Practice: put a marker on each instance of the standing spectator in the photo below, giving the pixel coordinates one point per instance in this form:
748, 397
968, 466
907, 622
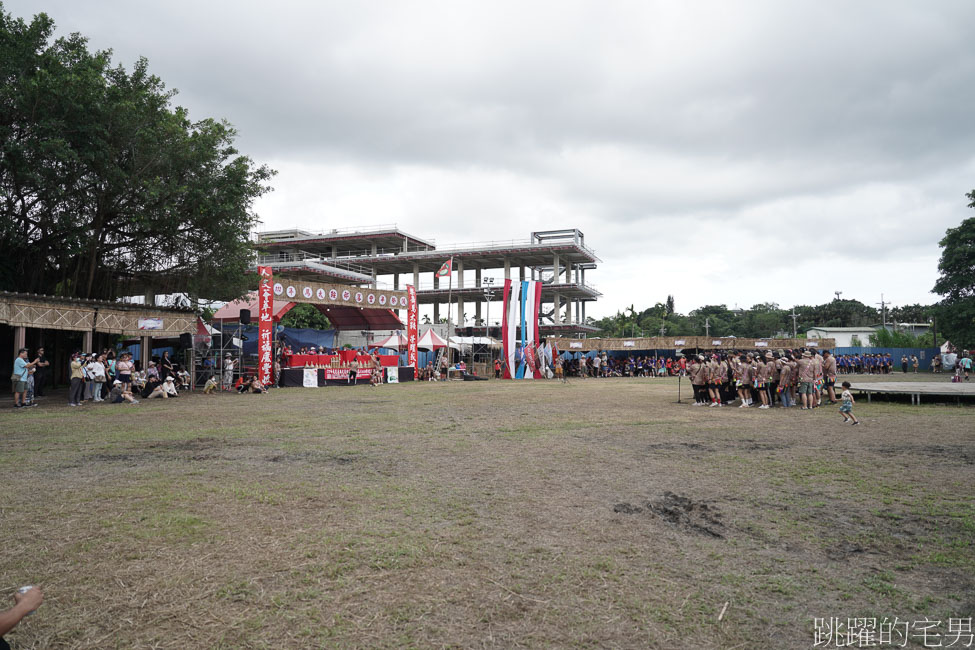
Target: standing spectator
124, 370
965, 363
76, 392
22, 369
914, 363
166, 366
497, 368
96, 372
228, 372
43, 372
904, 363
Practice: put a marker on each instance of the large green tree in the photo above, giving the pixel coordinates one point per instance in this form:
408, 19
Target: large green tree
106, 188
956, 311
306, 316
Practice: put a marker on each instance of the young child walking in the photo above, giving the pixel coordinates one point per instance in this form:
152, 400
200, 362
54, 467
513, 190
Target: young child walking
847, 409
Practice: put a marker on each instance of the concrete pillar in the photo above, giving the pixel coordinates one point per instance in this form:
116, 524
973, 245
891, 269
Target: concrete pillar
460, 300
406, 245
436, 304
578, 309
477, 278
576, 275
145, 351
373, 285
507, 269
374, 250
556, 269
583, 319
87, 341
477, 311
521, 273
20, 339
416, 275
335, 252
557, 306
396, 281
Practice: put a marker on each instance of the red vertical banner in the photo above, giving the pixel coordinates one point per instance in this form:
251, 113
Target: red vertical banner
265, 323
412, 326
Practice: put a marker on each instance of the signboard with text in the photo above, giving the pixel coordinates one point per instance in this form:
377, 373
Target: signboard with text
412, 326
336, 294
265, 303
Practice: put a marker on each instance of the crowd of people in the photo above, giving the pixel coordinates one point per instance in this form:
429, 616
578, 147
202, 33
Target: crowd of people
803, 378
94, 377
602, 365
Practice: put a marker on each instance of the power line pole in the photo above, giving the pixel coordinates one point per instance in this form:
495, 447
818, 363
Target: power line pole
707, 327
883, 310
795, 334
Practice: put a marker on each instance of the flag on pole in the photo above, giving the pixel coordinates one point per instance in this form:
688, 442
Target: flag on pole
446, 268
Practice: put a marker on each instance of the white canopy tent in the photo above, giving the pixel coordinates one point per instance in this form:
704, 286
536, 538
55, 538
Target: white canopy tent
433, 341
394, 342
464, 343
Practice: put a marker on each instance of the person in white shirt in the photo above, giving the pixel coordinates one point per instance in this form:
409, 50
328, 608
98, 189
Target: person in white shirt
170, 387
96, 374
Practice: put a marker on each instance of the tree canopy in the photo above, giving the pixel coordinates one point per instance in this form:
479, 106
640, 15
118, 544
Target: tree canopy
760, 321
306, 316
106, 189
956, 283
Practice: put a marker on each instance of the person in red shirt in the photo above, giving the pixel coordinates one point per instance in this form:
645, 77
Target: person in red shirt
497, 368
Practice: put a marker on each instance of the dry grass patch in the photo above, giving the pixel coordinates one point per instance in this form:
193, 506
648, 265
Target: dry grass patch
597, 514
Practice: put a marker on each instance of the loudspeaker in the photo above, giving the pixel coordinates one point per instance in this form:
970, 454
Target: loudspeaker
186, 340
245, 316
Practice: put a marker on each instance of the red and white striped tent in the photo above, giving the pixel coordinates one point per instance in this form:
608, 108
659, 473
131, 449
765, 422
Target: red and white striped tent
432, 341
394, 342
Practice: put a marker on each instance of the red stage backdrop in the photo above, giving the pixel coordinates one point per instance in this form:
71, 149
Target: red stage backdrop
265, 324
412, 326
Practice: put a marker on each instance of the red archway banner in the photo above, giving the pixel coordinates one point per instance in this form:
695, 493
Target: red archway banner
264, 325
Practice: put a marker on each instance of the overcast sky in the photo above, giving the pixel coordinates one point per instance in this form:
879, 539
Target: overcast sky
723, 152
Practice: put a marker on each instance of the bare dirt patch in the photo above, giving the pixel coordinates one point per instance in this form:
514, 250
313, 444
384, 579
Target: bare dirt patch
681, 511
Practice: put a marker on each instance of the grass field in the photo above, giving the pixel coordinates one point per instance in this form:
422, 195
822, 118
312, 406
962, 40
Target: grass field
597, 514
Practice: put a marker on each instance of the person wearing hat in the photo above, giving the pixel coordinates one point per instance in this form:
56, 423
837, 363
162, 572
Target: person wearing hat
785, 381
119, 394
807, 377
228, 371
170, 387
154, 389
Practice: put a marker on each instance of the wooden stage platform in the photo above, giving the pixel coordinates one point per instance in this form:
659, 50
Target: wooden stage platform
917, 388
